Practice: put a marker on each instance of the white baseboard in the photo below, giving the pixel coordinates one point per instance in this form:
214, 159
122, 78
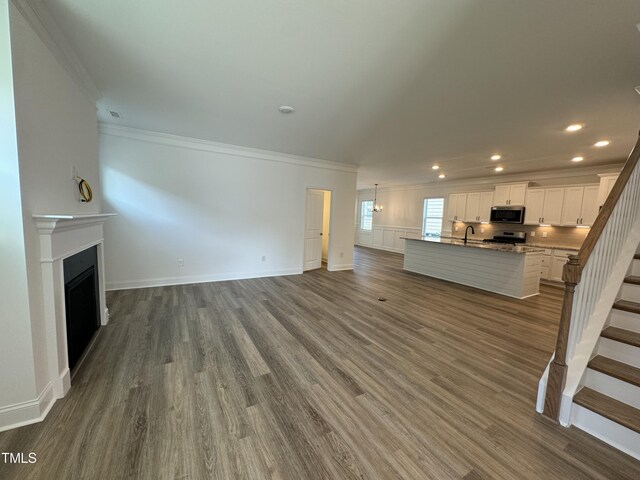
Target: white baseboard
345, 266
26, 413
220, 277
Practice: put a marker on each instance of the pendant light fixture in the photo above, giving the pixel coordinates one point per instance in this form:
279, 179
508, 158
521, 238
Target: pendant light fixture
376, 208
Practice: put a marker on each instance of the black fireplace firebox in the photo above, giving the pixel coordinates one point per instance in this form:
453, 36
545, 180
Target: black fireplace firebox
81, 301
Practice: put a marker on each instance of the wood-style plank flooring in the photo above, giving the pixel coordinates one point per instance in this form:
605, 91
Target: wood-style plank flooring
312, 377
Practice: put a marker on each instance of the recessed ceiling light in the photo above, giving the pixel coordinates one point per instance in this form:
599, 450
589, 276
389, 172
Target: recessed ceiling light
602, 143
442, 175
577, 159
499, 169
436, 167
496, 157
574, 128
286, 109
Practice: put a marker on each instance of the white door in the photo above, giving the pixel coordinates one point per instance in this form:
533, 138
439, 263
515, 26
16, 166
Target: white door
590, 207
553, 203
461, 207
452, 207
501, 195
572, 207
533, 206
472, 213
313, 230
517, 194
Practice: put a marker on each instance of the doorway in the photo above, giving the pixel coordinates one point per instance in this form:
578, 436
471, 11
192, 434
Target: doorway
317, 236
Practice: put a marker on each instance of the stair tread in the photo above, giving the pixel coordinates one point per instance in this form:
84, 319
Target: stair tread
619, 370
614, 410
627, 305
635, 279
622, 335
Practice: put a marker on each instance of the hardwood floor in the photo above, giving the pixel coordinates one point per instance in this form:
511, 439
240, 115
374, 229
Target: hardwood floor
310, 377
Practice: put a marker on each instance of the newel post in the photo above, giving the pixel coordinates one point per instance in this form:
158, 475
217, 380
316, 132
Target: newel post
558, 367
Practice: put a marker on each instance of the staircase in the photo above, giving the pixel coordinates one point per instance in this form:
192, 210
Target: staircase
593, 379
608, 402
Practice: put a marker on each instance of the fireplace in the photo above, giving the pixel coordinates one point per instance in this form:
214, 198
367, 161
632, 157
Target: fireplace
81, 302
71, 249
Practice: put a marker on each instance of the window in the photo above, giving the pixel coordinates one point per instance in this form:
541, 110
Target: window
366, 215
432, 217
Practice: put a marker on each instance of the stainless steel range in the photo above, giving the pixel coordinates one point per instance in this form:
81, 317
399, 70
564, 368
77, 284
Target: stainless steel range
512, 238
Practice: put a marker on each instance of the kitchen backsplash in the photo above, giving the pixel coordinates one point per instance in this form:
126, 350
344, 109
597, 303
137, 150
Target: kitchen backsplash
560, 236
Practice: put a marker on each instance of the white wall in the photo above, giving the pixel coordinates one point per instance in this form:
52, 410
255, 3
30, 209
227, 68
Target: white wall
217, 207
56, 128
17, 377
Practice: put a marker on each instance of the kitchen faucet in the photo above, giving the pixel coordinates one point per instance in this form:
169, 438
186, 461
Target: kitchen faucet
466, 231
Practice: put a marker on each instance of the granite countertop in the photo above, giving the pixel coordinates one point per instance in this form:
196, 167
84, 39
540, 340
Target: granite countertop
479, 244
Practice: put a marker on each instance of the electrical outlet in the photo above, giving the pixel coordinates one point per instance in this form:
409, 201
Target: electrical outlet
544, 234
482, 230
264, 258
181, 262
533, 234
455, 229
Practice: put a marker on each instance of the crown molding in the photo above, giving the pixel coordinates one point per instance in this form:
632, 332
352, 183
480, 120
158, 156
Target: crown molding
222, 148
38, 16
490, 181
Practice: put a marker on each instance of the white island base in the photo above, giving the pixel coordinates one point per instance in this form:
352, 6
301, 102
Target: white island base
507, 270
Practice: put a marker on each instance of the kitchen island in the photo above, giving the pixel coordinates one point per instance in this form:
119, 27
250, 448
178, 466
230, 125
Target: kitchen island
511, 270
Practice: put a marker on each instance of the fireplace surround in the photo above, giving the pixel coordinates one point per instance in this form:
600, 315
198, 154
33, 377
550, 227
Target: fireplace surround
62, 237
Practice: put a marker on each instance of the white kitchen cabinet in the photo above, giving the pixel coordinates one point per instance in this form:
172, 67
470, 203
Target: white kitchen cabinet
533, 206
607, 181
478, 207
510, 194
486, 202
580, 206
544, 205
553, 203
590, 205
456, 207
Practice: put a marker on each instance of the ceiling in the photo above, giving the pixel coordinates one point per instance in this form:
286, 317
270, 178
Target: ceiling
391, 85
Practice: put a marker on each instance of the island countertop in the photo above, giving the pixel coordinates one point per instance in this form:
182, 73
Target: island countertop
479, 244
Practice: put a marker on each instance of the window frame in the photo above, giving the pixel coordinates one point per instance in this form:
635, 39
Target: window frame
362, 207
424, 216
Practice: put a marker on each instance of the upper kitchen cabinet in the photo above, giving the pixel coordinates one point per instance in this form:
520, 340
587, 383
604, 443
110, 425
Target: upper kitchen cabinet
607, 181
478, 207
510, 194
580, 206
456, 207
544, 206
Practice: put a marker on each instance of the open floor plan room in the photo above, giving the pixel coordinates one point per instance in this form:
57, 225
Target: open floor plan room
314, 376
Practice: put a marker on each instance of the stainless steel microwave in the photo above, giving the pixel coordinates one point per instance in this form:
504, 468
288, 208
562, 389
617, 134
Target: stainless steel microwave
507, 215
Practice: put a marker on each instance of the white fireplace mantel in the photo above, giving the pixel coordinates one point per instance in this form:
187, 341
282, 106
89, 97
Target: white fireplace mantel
62, 236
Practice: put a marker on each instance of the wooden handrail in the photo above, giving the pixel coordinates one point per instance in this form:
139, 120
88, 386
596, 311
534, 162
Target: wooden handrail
571, 277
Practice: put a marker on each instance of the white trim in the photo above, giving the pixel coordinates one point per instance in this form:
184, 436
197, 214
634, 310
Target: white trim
338, 268
222, 148
26, 413
38, 16
186, 280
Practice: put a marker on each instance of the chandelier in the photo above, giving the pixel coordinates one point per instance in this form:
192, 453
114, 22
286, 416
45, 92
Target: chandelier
376, 208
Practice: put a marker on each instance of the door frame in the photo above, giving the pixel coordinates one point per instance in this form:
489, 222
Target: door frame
304, 223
